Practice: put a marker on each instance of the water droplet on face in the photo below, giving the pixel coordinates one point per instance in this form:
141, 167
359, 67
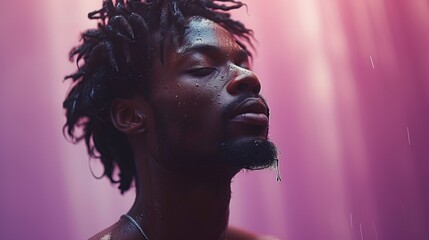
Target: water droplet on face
220, 102
177, 97
178, 84
196, 84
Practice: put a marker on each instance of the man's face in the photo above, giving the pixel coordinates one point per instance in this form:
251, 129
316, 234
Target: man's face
204, 96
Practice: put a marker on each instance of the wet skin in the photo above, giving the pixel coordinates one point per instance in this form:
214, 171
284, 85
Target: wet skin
204, 94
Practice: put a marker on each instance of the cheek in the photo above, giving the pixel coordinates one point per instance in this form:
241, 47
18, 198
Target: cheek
198, 106
190, 111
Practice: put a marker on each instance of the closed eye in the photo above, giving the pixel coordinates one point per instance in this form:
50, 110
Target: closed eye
201, 72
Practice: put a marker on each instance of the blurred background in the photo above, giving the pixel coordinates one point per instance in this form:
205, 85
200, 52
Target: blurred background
348, 86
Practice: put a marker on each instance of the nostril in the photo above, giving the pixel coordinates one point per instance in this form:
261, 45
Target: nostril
243, 80
257, 89
242, 87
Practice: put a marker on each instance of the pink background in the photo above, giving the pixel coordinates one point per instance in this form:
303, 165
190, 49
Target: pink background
348, 84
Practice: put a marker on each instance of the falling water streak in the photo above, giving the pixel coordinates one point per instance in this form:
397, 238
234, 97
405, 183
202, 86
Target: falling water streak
376, 232
278, 178
372, 62
351, 220
408, 134
361, 231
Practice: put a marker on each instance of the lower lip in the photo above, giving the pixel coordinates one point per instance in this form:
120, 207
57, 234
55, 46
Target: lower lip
258, 119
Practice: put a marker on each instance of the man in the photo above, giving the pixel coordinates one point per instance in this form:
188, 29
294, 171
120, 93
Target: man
165, 95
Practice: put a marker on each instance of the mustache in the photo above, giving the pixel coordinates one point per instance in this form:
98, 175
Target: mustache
227, 110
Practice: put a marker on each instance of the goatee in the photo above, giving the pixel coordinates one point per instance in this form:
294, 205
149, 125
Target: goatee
251, 154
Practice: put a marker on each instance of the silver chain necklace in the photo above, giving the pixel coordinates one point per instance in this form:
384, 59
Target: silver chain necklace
136, 224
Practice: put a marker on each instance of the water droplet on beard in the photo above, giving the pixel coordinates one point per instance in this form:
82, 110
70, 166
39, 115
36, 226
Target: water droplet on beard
220, 102
178, 84
177, 97
196, 84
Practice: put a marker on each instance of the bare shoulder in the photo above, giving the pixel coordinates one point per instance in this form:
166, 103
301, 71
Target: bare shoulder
118, 230
106, 234
235, 233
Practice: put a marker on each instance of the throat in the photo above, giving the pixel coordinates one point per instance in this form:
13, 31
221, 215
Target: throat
176, 207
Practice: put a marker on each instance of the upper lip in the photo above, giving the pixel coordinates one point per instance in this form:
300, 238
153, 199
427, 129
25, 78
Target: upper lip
251, 105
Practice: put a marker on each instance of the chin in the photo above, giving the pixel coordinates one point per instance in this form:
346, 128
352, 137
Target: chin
251, 153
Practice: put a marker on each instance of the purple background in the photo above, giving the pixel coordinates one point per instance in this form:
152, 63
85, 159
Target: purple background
348, 84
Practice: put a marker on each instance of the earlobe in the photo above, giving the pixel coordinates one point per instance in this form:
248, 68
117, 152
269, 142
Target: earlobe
126, 118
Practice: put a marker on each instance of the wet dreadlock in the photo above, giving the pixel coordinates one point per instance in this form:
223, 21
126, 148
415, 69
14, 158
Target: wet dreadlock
113, 61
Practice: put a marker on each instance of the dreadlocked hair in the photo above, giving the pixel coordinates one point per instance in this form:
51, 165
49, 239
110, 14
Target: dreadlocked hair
113, 61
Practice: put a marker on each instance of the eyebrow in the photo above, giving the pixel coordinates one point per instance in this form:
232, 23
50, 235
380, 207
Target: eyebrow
213, 51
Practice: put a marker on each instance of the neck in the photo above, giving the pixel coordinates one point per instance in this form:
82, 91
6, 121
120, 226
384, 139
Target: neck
182, 205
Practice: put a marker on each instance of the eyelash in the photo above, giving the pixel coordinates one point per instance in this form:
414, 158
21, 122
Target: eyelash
201, 72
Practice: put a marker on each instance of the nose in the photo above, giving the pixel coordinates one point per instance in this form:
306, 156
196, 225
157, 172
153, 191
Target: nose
244, 80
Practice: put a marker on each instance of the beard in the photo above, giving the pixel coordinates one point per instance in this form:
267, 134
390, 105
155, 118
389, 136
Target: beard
247, 153
250, 154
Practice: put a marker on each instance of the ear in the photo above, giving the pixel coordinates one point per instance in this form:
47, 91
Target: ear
127, 118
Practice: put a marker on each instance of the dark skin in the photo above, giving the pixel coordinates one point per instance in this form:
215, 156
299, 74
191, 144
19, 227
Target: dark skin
183, 188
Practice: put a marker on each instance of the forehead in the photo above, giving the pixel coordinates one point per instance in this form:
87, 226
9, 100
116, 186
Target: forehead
206, 33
